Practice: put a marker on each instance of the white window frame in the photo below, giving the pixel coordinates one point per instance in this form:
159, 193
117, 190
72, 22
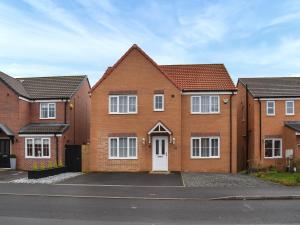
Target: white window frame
273, 149
210, 97
33, 146
205, 157
118, 149
163, 102
118, 97
48, 109
267, 107
286, 108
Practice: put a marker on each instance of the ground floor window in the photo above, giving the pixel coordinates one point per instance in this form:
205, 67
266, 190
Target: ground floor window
205, 147
273, 148
37, 147
123, 148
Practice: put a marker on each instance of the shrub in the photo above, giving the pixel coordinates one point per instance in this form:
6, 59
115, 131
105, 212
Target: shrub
55, 165
60, 164
50, 165
35, 166
42, 166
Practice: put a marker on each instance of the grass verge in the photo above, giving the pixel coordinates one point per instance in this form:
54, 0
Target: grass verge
285, 178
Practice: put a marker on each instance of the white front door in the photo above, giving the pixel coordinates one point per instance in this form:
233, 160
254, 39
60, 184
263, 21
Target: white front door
160, 153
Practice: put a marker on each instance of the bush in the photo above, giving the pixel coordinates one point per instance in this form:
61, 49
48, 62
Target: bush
55, 165
42, 166
35, 166
50, 165
60, 164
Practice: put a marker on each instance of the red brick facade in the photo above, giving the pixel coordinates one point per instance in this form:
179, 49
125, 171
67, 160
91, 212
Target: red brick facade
136, 73
261, 127
16, 112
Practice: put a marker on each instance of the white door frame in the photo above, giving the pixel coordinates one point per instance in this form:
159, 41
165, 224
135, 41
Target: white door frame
160, 161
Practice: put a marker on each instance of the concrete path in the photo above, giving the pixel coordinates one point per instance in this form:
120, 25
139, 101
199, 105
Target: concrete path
9, 175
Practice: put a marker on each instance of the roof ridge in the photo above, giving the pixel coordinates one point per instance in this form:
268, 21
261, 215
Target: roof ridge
55, 76
193, 64
268, 77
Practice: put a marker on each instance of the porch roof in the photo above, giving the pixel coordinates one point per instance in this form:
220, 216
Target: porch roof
294, 125
6, 130
44, 128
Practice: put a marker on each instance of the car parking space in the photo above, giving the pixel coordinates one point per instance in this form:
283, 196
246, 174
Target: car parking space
127, 179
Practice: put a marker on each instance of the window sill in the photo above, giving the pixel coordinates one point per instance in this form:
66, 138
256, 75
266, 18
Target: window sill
29, 157
50, 118
194, 113
123, 113
273, 157
218, 157
122, 158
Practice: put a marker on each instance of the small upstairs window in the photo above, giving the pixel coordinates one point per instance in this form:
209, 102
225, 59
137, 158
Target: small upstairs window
47, 110
158, 102
270, 108
289, 108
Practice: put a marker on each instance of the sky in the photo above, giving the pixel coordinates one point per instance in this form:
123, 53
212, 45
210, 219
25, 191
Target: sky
68, 37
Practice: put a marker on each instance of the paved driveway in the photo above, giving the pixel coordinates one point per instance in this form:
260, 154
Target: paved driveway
224, 180
127, 179
9, 175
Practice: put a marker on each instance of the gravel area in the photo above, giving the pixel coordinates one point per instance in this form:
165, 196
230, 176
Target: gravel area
46, 180
222, 180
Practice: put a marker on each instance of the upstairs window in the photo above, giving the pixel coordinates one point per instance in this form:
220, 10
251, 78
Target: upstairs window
47, 110
273, 148
270, 108
122, 104
205, 104
289, 108
158, 103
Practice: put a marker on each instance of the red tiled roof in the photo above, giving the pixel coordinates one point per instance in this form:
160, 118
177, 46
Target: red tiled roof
198, 77
204, 77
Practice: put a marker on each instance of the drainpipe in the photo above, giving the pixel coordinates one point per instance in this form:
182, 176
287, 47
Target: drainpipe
230, 132
259, 101
247, 127
56, 148
65, 119
74, 122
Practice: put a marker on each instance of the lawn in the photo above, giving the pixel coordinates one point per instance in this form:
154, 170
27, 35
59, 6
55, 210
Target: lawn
285, 178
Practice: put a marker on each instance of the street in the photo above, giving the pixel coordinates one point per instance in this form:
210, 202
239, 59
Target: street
68, 204
18, 209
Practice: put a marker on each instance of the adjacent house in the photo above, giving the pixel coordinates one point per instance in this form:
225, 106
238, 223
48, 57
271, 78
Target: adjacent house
39, 116
150, 117
268, 121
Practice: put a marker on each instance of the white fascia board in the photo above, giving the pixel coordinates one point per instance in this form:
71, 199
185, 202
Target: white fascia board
210, 93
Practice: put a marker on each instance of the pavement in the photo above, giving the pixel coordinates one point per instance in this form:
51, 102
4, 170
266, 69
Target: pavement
9, 175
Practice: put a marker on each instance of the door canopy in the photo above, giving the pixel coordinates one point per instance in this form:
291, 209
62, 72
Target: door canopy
160, 130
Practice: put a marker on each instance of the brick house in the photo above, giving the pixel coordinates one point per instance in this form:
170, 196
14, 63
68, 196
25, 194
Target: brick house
39, 116
268, 121
149, 117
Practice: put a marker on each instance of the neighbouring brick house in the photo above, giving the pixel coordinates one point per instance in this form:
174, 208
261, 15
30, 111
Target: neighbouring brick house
268, 121
39, 116
149, 117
